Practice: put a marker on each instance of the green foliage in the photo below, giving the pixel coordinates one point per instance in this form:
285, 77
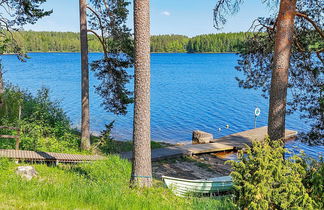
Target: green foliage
14, 15
264, 179
217, 43
106, 144
169, 43
109, 18
11, 103
314, 181
32, 41
97, 185
306, 72
44, 125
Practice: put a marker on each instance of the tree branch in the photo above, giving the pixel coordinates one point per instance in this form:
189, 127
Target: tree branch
97, 15
318, 54
318, 29
100, 39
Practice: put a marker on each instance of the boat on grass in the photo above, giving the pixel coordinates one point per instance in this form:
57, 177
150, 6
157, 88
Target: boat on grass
184, 187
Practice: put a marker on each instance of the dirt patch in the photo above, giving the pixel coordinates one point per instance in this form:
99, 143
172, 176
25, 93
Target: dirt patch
196, 167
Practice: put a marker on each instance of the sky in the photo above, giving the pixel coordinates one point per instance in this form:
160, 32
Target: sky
185, 17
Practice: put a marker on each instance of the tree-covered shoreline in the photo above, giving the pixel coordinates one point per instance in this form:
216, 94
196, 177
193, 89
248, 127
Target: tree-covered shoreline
46, 41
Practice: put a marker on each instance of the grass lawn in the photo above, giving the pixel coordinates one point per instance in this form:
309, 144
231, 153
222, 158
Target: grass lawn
96, 185
114, 146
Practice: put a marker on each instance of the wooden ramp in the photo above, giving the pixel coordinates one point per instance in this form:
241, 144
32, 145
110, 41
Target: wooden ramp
226, 143
23, 155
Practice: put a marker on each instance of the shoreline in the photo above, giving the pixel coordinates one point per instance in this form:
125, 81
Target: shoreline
151, 52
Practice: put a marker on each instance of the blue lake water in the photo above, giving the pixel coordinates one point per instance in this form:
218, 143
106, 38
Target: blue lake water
188, 92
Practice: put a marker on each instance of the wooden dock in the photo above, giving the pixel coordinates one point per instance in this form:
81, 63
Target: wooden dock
226, 143
24, 155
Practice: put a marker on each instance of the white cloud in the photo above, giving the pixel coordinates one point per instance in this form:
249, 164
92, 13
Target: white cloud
166, 13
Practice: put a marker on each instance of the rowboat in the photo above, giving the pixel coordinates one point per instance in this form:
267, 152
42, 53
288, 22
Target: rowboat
183, 187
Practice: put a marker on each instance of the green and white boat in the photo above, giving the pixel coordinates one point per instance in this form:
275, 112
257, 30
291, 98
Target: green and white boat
183, 187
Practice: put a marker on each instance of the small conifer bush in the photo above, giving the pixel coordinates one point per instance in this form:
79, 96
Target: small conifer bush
265, 179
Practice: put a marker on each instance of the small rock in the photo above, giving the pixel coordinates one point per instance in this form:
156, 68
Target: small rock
26, 172
206, 158
201, 137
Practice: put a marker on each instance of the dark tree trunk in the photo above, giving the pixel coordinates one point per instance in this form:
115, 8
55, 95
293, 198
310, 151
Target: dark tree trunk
142, 168
85, 127
279, 80
1, 86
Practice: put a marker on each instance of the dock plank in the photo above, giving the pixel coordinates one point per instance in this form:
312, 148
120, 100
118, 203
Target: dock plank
25, 155
238, 140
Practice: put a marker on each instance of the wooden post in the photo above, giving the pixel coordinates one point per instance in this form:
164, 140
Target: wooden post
18, 139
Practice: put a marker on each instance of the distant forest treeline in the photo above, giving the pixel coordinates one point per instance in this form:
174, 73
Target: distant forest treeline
32, 41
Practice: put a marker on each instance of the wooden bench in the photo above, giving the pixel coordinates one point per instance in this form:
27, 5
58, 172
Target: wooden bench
17, 137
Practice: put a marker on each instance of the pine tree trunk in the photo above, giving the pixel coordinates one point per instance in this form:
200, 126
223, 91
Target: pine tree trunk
142, 168
279, 80
85, 127
1, 86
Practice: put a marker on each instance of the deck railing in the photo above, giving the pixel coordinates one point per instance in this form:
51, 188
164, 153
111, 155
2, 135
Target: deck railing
17, 137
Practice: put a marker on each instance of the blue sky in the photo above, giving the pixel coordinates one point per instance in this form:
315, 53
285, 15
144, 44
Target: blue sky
187, 17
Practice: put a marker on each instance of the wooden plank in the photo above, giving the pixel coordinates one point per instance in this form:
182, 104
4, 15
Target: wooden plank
47, 156
9, 137
207, 148
246, 137
161, 153
9, 128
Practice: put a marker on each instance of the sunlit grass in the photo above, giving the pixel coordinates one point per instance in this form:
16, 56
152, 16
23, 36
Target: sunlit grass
97, 185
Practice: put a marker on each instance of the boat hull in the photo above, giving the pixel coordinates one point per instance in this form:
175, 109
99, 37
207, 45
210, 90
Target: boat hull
183, 187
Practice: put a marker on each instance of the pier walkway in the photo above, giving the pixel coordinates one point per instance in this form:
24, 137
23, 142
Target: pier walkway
226, 143
24, 155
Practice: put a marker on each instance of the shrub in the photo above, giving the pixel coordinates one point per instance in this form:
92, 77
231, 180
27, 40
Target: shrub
44, 124
264, 179
314, 181
12, 100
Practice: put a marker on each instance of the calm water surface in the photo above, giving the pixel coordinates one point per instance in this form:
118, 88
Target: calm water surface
188, 92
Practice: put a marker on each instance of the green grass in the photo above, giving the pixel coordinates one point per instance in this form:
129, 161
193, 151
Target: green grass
96, 185
114, 146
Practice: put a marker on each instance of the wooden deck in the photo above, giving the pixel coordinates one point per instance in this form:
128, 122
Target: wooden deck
226, 143
23, 155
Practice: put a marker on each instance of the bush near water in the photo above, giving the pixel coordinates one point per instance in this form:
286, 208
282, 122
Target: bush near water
265, 179
45, 126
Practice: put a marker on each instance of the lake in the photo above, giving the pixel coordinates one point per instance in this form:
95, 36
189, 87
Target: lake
188, 92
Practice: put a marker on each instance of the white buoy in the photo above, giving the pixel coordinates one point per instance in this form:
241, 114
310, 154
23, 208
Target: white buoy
227, 126
257, 113
219, 129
